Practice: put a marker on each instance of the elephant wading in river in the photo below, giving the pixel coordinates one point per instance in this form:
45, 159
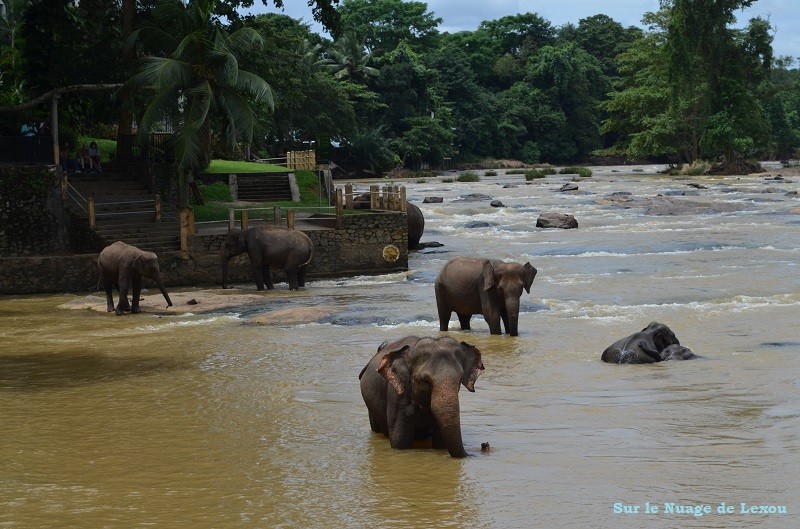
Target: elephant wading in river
124, 265
268, 246
654, 343
411, 388
470, 286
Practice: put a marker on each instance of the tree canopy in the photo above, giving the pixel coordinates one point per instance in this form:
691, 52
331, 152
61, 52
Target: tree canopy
390, 87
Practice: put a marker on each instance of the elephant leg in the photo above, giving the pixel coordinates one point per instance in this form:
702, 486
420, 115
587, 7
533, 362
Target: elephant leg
267, 277
136, 284
122, 306
493, 320
464, 319
291, 276
444, 311
301, 276
108, 286
258, 274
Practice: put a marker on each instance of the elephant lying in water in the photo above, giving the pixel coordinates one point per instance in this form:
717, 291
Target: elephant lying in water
411, 388
654, 343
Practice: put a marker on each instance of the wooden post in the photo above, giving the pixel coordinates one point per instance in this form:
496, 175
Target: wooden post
54, 129
339, 202
403, 203
348, 196
183, 224
385, 198
231, 219
158, 207
245, 219
373, 197
290, 219
64, 184
191, 222
90, 212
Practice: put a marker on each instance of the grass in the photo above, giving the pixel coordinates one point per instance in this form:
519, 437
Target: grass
469, 176
490, 172
107, 147
516, 171
218, 199
231, 166
583, 172
535, 173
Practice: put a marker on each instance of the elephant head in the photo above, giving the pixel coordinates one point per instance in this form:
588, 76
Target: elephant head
234, 244
147, 265
661, 335
677, 352
501, 289
432, 370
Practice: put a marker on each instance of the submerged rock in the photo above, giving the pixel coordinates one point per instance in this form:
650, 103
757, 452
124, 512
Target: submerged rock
497, 204
433, 200
474, 197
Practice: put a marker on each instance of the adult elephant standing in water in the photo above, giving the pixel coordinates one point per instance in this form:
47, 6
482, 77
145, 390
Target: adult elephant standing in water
411, 388
490, 287
292, 250
416, 225
124, 265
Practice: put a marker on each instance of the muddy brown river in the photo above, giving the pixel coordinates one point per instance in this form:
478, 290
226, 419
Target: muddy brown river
223, 419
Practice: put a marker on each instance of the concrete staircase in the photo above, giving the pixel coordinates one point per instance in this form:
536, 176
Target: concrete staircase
263, 187
125, 210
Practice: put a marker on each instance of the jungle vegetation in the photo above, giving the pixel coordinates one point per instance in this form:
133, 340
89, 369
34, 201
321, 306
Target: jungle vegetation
390, 89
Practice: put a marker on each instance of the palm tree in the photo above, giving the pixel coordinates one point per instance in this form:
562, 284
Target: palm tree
12, 13
349, 58
194, 73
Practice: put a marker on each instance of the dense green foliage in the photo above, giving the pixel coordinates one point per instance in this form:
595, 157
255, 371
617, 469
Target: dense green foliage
392, 89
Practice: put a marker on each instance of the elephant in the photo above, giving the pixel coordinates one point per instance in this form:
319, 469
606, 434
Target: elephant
677, 352
490, 287
410, 387
654, 343
124, 265
416, 225
414, 218
269, 246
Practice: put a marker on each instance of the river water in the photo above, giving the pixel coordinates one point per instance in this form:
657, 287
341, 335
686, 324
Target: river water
209, 421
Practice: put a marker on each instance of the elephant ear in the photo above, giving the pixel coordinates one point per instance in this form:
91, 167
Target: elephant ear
530, 274
138, 264
388, 372
473, 365
488, 275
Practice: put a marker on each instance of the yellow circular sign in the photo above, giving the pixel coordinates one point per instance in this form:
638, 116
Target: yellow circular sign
391, 253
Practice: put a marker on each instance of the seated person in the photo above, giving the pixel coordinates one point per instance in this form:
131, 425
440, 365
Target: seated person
94, 154
84, 160
68, 163
28, 129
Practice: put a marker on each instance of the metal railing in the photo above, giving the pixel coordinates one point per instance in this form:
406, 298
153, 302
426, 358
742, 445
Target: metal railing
158, 210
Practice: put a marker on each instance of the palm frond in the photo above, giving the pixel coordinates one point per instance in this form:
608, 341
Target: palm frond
257, 87
241, 115
162, 103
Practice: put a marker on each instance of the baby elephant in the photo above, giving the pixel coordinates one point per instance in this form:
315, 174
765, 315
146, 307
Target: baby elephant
125, 265
654, 343
489, 287
411, 387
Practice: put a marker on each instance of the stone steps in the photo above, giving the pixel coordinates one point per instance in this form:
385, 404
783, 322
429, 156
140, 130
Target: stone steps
264, 188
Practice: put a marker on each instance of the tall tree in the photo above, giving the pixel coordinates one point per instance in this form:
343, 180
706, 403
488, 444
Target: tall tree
714, 72
194, 72
383, 24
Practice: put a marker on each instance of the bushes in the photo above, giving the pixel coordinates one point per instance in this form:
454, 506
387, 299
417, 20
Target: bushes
534, 173
583, 172
469, 176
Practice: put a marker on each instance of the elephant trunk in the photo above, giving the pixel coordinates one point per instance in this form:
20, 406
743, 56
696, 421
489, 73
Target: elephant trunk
512, 309
164, 292
446, 411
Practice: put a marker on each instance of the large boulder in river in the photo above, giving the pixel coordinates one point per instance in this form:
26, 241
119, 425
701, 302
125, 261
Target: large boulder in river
556, 220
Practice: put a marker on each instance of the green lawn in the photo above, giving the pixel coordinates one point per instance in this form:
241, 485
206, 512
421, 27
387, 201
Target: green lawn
229, 166
107, 147
217, 198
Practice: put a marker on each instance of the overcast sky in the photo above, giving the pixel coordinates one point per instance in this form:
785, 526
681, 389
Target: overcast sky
458, 15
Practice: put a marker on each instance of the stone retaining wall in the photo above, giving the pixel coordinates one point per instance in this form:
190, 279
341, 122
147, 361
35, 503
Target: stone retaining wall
365, 244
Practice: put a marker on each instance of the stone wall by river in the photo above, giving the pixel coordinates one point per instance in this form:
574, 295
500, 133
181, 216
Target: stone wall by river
364, 244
